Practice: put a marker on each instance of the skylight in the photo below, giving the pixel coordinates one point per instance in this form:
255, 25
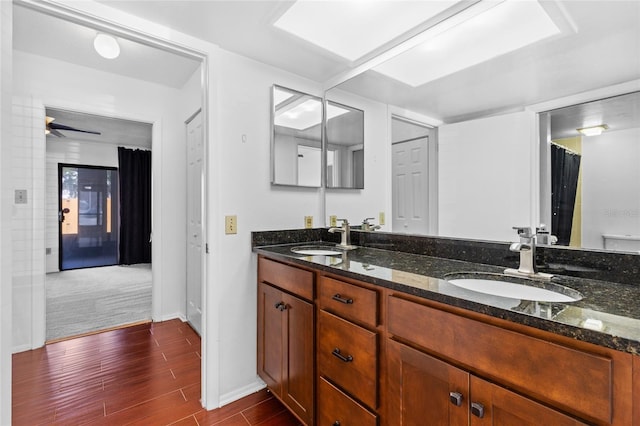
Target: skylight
463, 41
351, 29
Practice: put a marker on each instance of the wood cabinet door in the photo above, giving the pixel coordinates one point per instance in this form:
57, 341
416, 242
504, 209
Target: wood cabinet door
270, 337
496, 406
298, 360
424, 390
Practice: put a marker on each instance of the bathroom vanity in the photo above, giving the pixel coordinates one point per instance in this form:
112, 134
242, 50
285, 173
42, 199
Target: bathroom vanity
380, 337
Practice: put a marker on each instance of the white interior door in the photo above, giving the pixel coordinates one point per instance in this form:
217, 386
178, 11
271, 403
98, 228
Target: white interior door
195, 176
410, 196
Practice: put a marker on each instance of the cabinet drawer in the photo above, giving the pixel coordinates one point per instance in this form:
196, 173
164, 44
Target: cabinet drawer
579, 381
349, 301
347, 354
335, 407
289, 278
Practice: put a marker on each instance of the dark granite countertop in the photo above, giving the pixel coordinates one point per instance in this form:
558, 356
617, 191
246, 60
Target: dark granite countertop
608, 314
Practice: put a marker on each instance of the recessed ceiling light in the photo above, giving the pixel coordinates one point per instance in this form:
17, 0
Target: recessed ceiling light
482, 32
106, 46
351, 29
593, 130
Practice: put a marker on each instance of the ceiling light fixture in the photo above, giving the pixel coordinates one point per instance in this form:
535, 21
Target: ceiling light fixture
106, 46
593, 130
483, 31
340, 26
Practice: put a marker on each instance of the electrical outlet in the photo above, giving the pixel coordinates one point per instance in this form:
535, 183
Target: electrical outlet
381, 219
333, 220
308, 222
231, 224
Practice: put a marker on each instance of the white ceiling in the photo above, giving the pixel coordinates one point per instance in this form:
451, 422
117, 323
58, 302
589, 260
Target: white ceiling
604, 51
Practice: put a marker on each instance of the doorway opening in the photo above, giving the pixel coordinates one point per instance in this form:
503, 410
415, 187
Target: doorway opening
88, 216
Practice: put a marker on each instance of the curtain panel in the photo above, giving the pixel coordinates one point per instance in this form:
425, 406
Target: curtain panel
135, 205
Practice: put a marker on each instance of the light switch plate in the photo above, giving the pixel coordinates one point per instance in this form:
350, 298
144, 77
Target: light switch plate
231, 224
21, 196
381, 218
308, 222
333, 220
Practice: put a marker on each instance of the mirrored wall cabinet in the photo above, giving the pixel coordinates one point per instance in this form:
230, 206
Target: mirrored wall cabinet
297, 148
296, 138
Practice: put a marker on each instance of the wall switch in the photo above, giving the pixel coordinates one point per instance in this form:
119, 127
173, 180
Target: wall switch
308, 222
381, 219
21, 196
333, 220
231, 224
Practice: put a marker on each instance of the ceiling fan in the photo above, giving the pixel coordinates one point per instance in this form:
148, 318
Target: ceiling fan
54, 128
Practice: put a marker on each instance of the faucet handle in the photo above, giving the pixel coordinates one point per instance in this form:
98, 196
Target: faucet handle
366, 220
344, 221
524, 231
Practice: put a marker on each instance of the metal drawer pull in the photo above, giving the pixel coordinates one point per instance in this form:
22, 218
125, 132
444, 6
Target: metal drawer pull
337, 354
341, 299
455, 398
281, 306
477, 409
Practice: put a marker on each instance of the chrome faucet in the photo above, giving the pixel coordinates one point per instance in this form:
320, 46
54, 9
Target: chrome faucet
345, 230
527, 249
366, 226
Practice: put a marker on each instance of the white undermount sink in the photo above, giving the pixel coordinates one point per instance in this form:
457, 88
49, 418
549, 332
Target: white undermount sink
316, 251
535, 291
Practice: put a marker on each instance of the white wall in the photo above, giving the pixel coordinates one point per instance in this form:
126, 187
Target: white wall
610, 186
78, 88
243, 95
485, 176
356, 205
6, 202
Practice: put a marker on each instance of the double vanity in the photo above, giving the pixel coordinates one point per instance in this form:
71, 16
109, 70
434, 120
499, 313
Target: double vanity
405, 330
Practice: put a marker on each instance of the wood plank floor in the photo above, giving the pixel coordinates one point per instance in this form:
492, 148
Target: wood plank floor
143, 375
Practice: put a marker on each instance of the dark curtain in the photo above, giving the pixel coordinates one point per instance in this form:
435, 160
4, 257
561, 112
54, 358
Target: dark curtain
135, 206
565, 167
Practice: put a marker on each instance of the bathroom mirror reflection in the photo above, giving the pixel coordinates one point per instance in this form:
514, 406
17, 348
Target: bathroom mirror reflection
590, 179
296, 138
345, 146
485, 171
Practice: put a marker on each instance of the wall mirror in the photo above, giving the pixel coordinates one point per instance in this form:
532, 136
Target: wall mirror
490, 183
590, 179
344, 146
296, 138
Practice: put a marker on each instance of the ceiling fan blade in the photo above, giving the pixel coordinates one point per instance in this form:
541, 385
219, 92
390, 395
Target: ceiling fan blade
56, 126
56, 133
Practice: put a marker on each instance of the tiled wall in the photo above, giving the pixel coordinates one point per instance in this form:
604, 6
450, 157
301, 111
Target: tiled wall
28, 221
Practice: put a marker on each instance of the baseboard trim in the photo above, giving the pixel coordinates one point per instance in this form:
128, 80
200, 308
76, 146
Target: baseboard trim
235, 395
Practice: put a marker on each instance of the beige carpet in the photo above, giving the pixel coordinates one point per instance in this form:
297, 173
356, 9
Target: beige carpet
86, 300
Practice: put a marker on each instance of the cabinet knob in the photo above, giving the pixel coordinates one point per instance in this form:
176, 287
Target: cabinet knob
336, 423
455, 398
341, 299
337, 354
477, 409
281, 306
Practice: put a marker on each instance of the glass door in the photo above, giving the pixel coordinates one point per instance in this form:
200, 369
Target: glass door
88, 216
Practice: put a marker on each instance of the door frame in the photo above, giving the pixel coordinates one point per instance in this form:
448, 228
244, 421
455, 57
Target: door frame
137, 30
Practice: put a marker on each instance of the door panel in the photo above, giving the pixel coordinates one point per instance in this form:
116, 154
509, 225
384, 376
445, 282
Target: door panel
88, 216
410, 186
195, 175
